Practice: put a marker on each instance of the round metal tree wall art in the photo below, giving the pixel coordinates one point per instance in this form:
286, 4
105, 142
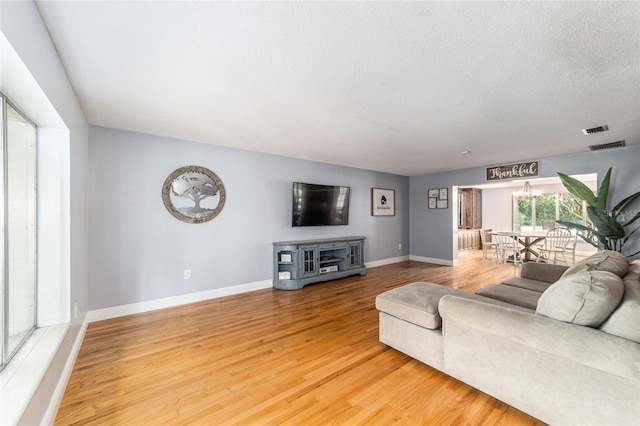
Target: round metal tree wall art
193, 194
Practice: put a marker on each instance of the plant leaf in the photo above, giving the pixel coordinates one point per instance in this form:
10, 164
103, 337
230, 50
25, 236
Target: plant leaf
622, 205
605, 224
590, 233
633, 219
577, 226
631, 255
609, 234
591, 240
578, 189
603, 192
631, 233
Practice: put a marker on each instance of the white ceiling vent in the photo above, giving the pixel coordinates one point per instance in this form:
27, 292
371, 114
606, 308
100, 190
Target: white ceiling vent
616, 144
593, 130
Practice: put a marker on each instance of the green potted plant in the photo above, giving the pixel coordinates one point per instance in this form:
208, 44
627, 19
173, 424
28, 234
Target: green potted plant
608, 232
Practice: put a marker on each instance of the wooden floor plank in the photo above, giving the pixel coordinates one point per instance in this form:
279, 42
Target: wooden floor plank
273, 357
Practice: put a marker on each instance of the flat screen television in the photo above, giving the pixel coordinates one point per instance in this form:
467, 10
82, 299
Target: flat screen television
319, 205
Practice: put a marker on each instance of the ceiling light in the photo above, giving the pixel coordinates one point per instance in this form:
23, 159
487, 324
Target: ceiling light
527, 192
466, 151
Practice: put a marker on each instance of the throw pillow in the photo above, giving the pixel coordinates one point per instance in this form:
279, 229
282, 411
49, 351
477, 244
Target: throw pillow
584, 298
625, 320
607, 260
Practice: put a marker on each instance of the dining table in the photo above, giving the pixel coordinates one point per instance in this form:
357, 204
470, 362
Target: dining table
528, 240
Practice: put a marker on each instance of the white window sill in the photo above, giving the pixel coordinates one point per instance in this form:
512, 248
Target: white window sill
20, 379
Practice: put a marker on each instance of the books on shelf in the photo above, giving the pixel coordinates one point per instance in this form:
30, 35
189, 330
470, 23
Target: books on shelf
325, 269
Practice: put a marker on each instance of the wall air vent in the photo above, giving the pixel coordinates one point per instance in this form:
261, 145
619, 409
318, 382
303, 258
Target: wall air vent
616, 144
593, 130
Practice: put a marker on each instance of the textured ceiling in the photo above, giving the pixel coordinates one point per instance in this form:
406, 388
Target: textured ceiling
399, 87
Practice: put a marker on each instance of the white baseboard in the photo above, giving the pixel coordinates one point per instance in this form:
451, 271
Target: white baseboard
152, 305
389, 261
432, 260
411, 257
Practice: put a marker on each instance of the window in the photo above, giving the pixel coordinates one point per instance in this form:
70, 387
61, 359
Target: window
536, 214
18, 212
573, 210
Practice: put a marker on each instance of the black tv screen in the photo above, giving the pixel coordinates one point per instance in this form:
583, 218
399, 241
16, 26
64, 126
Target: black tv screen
318, 205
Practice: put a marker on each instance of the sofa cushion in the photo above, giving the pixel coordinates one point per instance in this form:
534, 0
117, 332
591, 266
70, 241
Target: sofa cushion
529, 284
583, 298
512, 295
416, 303
606, 260
625, 320
547, 272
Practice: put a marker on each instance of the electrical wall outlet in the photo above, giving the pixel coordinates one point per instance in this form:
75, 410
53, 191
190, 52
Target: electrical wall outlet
75, 310
187, 274
399, 246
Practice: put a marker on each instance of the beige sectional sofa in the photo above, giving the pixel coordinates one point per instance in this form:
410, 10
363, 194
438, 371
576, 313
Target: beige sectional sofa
561, 344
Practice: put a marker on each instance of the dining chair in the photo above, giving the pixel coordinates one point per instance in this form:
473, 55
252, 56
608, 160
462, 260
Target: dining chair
509, 248
487, 244
555, 243
571, 247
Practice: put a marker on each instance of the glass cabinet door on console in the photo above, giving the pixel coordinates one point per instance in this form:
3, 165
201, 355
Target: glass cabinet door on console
309, 261
355, 255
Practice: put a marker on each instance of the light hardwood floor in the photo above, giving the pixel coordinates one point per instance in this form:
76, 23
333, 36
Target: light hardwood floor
271, 357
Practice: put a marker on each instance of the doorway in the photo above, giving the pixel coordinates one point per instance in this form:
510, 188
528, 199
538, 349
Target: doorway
502, 212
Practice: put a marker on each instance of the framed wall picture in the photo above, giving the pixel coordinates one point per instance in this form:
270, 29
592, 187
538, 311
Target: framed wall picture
442, 204
383, 202
443, 194
433, 202
433, 193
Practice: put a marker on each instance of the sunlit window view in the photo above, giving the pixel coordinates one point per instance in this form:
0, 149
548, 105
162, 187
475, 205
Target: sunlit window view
19, 230
538, 214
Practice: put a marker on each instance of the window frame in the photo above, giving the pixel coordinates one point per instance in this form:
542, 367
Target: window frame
515, 217
7, 353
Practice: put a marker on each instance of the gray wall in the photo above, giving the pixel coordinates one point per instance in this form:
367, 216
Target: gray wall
139, 251
432, 230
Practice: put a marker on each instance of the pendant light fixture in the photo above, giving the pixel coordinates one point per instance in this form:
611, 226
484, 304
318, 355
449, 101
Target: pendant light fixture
527, 192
